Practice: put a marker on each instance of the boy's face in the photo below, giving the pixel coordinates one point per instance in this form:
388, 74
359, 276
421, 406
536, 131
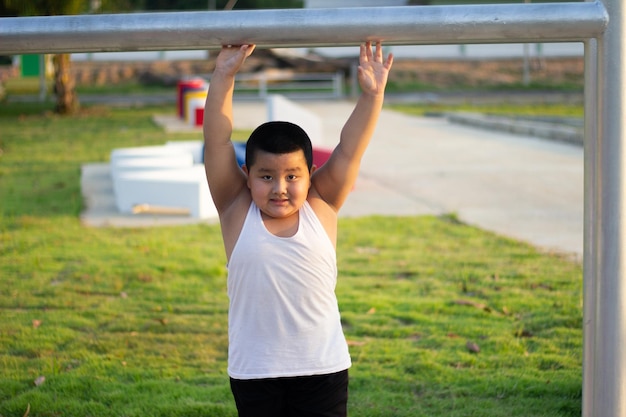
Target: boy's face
279, 183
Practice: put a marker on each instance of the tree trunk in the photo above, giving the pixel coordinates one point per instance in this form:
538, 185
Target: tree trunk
64, 85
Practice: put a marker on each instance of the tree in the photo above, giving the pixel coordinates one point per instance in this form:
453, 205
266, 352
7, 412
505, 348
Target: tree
64, 83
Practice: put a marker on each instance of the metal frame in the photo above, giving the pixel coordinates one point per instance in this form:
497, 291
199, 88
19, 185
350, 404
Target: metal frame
303, 27
599, 24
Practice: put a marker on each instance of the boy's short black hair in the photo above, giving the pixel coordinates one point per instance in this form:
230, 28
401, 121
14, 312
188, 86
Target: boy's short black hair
279, 137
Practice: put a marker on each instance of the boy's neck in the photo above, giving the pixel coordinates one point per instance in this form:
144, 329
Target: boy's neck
283, 226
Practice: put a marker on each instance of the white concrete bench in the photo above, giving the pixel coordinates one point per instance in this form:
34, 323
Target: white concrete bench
182, 191
156, 162
128, 165
144, 152
162, 180
195, 147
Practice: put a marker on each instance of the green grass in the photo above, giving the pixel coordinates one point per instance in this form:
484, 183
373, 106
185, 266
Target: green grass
133, 322
505, 109
464, 87
125, 88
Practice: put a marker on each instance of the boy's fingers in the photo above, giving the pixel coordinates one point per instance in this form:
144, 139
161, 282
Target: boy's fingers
242, 46
379, 51
389, 61
248, 48
363, 53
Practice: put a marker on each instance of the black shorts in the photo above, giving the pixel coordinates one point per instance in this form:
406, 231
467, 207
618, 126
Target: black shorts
303, 396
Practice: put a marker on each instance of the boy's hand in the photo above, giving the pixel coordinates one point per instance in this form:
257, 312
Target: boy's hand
232, 57
373, 70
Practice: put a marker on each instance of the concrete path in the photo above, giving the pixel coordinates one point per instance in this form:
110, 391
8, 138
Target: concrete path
518, 186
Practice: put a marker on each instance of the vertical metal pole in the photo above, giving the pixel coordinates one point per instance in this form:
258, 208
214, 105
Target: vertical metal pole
526, 65
354, 82
338, 85
43, 88
590, 230
263, 85
526, 72
609, 350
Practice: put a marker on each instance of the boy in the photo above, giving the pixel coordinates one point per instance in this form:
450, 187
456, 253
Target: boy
287, 353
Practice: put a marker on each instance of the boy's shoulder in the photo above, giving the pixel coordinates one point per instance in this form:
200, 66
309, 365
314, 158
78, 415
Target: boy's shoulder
232, 219
326, 214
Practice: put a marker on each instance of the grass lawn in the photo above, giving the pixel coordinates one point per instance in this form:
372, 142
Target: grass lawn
442, 319
503, 109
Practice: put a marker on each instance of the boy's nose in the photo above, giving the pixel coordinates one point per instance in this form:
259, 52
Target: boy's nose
280, 187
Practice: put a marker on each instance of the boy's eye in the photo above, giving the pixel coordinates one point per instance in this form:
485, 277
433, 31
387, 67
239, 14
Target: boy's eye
266, 177
291, 177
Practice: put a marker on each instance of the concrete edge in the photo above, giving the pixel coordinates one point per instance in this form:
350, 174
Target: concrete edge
551, 130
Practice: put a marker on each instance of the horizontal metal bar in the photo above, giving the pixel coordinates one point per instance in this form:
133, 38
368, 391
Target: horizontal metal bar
410, 25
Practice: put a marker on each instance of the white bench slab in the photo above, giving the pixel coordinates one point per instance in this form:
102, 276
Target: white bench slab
144, 152
178, 191
183, 160
127, 165
195, 147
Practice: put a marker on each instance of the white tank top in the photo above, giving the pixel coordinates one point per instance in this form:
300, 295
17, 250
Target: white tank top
283, 315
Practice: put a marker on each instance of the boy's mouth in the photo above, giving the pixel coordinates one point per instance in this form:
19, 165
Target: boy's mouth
279, 201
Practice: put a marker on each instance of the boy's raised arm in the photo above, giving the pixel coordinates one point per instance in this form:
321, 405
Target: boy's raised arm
223, 173
334, 180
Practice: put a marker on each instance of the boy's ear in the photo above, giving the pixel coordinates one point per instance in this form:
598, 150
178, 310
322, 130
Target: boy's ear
313, 168
244, 168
